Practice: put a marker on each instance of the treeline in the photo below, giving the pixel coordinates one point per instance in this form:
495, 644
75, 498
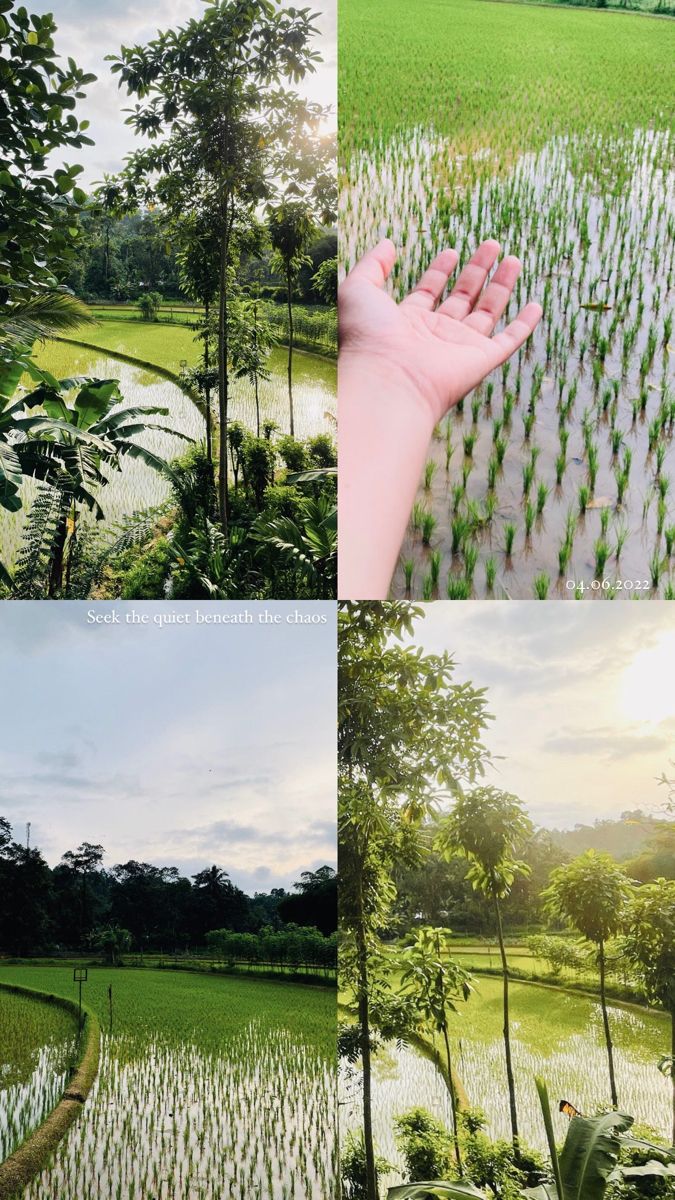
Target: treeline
75, 905
122, 258
440, 892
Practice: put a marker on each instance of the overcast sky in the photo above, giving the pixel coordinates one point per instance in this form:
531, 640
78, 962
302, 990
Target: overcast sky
583, 696
88, 30
179, 746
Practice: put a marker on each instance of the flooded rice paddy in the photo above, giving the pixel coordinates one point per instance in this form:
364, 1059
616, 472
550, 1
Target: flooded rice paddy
554, 1034
556, 477
137, 486
37, 1045
207, 1087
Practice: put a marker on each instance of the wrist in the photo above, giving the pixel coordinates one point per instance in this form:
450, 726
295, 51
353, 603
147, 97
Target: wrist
375, 380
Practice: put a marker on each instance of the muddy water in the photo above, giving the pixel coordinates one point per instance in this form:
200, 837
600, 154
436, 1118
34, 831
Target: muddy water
592, 220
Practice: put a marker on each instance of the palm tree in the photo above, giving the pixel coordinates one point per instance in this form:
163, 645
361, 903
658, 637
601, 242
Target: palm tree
591, 894
487, 826
292, 228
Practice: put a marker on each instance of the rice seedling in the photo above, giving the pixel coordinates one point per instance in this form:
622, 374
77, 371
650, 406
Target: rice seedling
429, 472
602, 552
509, 536
490, 574
458, 588
435, 567
553, 178
541, 585
429, 523
208, 1086
38, 1044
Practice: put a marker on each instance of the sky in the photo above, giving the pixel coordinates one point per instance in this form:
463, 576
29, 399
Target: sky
176, 745
583, 697
88, 30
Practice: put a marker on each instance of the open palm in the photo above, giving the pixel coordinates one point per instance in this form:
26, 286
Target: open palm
443, 350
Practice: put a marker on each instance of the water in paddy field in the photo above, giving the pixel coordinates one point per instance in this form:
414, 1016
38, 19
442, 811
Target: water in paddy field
574, 1067
138, 486
402, 1079
172, 1122
25, 1103
589, 403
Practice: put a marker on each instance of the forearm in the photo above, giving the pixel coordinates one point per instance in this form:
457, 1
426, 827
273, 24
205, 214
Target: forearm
384, 431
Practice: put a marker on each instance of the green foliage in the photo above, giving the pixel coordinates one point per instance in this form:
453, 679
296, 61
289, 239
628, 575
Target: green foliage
38, 119
488, 827
149, 305
425, 1144
590, 894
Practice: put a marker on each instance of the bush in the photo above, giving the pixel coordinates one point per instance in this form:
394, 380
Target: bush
147, 578
322, 450
149, 304
292, 453
426, 1146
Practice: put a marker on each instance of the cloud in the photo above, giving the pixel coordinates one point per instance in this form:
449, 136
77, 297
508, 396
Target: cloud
612, 745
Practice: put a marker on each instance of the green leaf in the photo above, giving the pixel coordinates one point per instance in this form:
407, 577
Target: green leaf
590, 1154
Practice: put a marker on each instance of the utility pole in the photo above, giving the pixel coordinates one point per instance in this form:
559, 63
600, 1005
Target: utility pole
27, 835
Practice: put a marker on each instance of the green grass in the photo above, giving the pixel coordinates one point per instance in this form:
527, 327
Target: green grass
483, 72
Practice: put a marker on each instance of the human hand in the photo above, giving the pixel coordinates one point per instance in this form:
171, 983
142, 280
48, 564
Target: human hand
437, 353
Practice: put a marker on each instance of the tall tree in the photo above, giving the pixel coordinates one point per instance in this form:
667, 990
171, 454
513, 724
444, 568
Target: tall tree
489, 827
84, 862
406, 732
292, 228
650, 945
216, 84
591, 894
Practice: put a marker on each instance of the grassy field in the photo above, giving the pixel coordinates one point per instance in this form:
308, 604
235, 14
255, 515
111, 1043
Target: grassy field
208, 1087
549, 129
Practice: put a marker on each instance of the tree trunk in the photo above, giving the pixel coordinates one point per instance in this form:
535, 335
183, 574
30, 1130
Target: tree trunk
207, 386
453, 1098
507, 1031
672, 1065
255, 372
605, 1021
289, 294
222, 388
364, 1028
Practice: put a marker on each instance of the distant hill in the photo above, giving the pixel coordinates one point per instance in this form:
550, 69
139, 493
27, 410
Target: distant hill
624, 838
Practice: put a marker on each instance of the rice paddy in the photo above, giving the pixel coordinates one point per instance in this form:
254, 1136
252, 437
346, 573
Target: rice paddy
137, 486
37, 1045
554, 1034
551, 132
208, 1087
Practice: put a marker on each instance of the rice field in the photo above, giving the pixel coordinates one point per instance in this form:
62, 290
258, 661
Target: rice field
551, 131
137, 486
208, 1087
38, 1042
554, 1034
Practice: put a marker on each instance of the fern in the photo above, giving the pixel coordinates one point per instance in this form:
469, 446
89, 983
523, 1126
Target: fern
36, 555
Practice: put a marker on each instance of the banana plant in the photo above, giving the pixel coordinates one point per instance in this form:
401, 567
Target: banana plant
588, 1162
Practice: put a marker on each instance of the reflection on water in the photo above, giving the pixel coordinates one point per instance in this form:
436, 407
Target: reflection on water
589, 401
173, 1122
574, 1067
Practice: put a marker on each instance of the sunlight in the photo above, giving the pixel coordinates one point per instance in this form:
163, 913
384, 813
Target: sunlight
646, 691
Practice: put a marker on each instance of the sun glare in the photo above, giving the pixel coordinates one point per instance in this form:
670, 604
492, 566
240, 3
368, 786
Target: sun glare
647, 689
